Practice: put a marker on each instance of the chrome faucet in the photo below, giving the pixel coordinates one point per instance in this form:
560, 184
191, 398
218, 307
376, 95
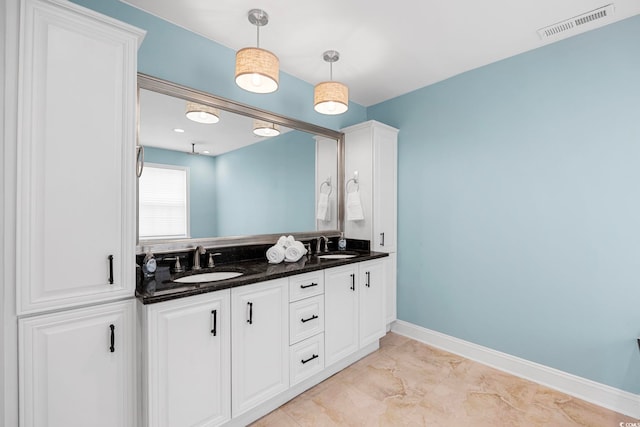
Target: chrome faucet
319, 244
200, 250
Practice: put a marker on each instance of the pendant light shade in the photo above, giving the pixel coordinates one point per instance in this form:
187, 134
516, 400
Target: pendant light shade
202, 113
257, 70
331, 97
262, 128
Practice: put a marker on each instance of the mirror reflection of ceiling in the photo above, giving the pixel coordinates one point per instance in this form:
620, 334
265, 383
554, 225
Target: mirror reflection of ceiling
161, 114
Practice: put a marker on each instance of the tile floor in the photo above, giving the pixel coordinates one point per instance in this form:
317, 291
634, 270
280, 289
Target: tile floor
407, 383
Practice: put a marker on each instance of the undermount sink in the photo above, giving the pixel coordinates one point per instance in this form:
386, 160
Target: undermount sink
337, 256
208, 277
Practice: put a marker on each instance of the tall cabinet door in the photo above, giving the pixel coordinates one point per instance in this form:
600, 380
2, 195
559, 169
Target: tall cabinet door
77, 367
260, 343
341, 312
189, 361
371, 156
76, 166
385, 183
372, 300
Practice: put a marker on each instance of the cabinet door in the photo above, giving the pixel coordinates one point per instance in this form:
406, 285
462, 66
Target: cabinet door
188, 354
391, 287
385, 178
77, 368
372, 301
341, 312
76, 179
260, 343
359, 159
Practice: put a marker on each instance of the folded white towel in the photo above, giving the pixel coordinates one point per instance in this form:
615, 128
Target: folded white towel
294, 252
354, 206
323, 207
275, 254
282, 241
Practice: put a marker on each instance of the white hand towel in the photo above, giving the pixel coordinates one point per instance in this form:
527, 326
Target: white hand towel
323, 207
275, 254
282, 241
354, 206
294, 252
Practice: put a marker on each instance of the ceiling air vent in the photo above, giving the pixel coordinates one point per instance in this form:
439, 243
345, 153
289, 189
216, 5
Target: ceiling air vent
595, 18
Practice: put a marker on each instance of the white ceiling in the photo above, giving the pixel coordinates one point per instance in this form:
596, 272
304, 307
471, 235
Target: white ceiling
387, 48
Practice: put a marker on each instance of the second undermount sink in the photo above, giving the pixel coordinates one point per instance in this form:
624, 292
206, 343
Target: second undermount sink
337, 256
208, 277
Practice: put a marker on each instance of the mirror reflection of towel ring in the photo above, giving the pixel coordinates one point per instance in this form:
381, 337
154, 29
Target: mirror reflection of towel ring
328, 183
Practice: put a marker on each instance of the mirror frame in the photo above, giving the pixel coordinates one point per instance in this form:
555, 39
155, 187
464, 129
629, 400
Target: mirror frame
165, 87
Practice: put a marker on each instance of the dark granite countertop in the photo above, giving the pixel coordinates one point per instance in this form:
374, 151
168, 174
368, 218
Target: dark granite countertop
162, 288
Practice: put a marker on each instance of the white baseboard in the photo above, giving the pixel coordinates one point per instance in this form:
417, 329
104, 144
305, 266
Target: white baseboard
600, 394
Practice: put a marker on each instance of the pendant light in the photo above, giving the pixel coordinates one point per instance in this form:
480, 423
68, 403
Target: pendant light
262, 128
331, 97
257, 70
202, 113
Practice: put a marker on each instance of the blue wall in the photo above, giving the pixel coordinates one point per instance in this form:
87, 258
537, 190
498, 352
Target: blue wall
268, 187
519, 205
202, 187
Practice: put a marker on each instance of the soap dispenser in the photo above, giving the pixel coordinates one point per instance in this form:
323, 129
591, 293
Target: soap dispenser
342, 242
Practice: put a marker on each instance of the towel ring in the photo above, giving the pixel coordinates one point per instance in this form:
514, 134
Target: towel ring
355, 181
328, 183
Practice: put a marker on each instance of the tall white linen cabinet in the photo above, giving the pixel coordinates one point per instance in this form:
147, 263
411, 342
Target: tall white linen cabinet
371, 168
75, 234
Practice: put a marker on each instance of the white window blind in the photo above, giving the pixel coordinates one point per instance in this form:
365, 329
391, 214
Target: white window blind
163, 196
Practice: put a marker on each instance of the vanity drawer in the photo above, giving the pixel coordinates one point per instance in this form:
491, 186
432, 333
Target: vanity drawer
306, 285
306, 358
306, 318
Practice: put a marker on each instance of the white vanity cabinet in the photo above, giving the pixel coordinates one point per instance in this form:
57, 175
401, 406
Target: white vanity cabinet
354, 307
76, 157
77, 367
188, 361
371, 155
259, 343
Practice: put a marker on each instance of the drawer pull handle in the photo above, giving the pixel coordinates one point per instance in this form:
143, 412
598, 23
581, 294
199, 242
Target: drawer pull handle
110, 269
309, 319
368, 284
112, 348
308, 286
315, 356
353, 282
381, 239
250, 320
214, 314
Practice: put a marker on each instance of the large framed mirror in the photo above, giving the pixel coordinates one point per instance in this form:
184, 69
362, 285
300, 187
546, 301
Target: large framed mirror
220, 184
